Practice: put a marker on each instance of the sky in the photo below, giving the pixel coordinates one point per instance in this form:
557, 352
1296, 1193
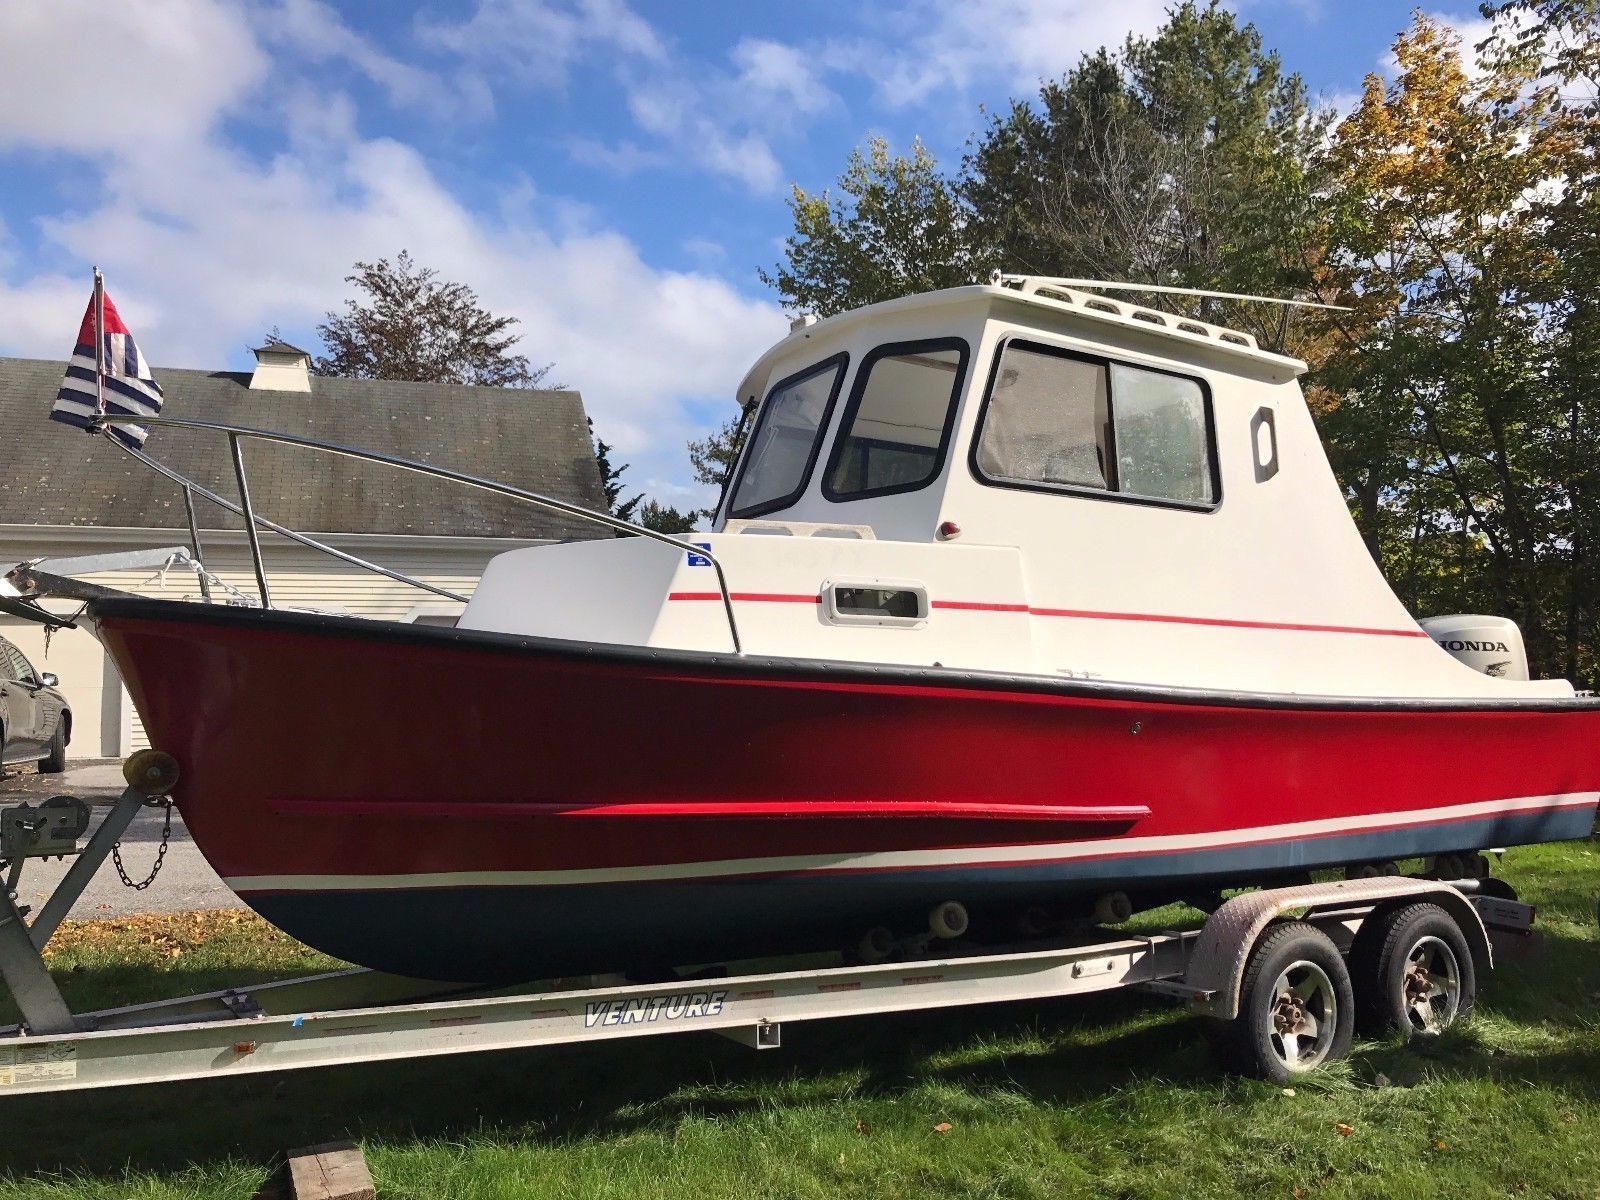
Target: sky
612, 174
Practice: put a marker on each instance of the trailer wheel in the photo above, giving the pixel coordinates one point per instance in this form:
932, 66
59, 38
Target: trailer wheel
1413, 972
1296, 1009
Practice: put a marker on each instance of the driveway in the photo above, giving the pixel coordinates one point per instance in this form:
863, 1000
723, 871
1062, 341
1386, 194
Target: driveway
186, 880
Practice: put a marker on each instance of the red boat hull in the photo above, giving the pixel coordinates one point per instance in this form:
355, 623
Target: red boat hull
473, 806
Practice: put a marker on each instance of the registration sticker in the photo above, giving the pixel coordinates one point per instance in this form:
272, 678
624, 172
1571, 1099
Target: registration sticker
700, 560
21, 1065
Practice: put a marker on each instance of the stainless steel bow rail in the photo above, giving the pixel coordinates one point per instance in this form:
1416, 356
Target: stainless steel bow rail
254, 522
364, 1016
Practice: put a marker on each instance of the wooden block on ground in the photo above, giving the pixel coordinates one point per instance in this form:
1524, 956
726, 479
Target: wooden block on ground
332, 1172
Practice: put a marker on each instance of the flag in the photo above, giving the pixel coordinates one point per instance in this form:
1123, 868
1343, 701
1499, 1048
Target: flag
119, 374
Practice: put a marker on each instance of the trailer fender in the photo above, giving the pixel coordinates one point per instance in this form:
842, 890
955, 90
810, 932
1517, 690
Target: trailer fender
1217, 961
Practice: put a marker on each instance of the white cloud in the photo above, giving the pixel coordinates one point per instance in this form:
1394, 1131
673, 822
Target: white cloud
926, 47
246, 247
711, 120
622, 158
1342, 101
95, 78
704, 250
204, 255
683, 115
316, 33
538, 41
783, 76
1471, 29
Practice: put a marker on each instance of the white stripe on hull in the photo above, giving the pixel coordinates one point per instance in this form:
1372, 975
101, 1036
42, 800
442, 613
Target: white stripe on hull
998, 856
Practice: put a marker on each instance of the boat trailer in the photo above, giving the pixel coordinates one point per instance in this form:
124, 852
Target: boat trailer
1270, 964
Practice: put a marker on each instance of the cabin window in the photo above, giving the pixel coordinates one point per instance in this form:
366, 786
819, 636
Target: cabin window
1161, 439
783, 448
1060, 420
1048, 421
897, 425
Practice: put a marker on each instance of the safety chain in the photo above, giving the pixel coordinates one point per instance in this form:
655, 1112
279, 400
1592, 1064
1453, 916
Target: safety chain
161, 853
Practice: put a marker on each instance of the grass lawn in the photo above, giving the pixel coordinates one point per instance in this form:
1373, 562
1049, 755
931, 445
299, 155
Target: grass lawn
1112, 1096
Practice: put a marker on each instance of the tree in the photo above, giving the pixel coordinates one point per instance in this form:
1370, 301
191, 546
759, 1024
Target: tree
1558, 42
1183, 159
1455, 428
895, 227
713, 456
611, 478
640, 510
412, 325
664, 519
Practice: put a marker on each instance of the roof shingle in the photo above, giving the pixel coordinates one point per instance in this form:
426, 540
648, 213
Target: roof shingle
53, 474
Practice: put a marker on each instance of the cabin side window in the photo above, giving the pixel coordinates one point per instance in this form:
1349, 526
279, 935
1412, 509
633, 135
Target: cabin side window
896, 427
783, 447
1160, 430
1055, 419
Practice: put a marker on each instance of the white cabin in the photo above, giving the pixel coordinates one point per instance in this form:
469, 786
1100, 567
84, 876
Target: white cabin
1019, 478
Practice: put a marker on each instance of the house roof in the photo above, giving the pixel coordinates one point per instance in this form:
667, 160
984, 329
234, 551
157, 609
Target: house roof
54, 474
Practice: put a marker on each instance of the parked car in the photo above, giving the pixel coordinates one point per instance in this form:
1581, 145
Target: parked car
35, 722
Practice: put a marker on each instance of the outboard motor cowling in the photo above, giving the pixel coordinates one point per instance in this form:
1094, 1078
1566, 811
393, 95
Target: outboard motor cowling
1489, 645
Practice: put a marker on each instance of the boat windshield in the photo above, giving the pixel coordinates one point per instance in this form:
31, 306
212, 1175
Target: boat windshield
783, 448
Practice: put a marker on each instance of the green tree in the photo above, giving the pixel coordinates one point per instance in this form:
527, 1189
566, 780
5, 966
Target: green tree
1453, 428
665, 519
611, 478
894, 227
713, 456
1186, 159
410, 324
1558, 43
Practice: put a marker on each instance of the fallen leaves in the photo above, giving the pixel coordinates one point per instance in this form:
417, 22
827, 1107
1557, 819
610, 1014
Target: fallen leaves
168, 934
1345, 1130
943, 1127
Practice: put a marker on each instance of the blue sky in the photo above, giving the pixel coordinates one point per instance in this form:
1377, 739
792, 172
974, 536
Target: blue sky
612, 174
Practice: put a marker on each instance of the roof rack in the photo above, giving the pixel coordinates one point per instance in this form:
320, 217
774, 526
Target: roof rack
1064, 290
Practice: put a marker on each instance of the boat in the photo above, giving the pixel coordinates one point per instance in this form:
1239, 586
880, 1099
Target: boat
1021, 599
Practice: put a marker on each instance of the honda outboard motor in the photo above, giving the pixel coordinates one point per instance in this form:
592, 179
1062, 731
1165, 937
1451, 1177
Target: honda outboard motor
1491, 645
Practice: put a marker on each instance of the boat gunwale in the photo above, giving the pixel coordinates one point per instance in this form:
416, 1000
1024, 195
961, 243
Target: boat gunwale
784, 669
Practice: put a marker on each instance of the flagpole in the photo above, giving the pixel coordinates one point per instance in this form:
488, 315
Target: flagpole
100, 340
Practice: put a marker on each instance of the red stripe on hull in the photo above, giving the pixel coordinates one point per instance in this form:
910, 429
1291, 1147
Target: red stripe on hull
765, 810
1084, 614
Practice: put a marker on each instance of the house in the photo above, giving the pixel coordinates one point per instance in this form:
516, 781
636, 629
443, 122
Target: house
65, 493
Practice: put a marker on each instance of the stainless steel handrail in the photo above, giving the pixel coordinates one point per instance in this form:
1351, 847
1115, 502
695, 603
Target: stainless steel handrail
254, 519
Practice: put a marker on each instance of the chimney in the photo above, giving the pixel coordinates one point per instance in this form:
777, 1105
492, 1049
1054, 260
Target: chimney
281, 367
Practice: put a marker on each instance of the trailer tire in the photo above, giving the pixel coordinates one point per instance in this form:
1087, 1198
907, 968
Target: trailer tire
1296, 1007
1413, 972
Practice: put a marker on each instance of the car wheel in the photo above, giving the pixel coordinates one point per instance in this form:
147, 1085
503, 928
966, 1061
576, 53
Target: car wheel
55, 761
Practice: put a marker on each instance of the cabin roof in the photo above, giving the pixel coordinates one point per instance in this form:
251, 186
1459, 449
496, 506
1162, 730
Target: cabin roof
1189, 339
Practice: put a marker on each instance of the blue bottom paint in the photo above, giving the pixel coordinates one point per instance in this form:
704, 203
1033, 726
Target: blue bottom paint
514, 933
